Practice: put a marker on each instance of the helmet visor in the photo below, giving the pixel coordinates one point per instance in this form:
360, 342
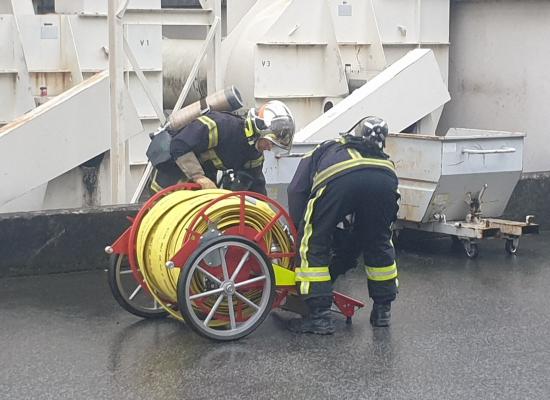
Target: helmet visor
280, 132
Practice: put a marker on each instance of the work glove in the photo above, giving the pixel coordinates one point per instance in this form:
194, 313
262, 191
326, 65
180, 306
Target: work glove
205, 182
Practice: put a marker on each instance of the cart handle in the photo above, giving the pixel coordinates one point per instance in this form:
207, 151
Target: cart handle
493, 151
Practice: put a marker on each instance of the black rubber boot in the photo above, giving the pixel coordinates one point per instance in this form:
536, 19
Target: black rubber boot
319, 319
380, 315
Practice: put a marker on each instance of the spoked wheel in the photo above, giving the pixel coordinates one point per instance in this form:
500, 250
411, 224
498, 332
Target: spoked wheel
227, 288
129, 293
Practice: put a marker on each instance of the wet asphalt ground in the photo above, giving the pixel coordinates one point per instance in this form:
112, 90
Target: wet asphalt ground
461, 329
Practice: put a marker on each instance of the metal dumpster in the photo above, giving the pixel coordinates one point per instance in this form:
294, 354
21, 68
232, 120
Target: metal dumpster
459, 183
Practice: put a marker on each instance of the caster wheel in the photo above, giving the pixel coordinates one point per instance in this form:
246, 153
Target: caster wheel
129, 293
511, 246
226, 289
470, 248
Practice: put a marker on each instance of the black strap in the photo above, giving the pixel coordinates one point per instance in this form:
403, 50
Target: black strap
204, 106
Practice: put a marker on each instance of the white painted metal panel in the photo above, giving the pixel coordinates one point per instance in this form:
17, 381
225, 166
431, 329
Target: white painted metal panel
30, 201
69, 52
236, 10
302, 22
5, 7
302, 32
240, 44
487, 154
20, 96
418, 166
397, 19
6, 44
402, 94
41, 36
441, 53
8, 72
273, 63
451, 194
7, 89
349, 21
104, 189
21, 7
98, 6
72, 186
413, 21
64, 132
434, 21
358, 38
416, 157
91, 39
139, 98
146, 44
281, 170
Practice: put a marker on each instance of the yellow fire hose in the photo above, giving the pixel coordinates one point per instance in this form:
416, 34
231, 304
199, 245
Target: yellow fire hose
163, 230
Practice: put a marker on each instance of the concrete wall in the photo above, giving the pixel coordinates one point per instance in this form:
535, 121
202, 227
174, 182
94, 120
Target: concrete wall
498, 75
46, 242
531, 197
43, 242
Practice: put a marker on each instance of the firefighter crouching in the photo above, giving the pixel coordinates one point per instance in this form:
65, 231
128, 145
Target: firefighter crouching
348, 183
220, 141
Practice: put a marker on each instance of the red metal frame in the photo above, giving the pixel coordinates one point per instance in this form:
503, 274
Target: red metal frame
192, 238
126, 243
241, 231
346, 304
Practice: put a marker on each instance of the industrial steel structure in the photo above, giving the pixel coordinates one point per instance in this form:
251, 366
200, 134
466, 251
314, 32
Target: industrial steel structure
332, 61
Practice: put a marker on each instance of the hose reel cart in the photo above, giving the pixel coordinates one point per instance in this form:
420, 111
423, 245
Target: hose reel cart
218, 260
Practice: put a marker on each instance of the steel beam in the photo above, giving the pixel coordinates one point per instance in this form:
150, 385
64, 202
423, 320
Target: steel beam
118, 154
169, 17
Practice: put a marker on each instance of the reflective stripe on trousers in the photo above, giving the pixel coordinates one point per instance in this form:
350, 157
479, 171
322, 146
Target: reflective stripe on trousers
382, 273
306, 274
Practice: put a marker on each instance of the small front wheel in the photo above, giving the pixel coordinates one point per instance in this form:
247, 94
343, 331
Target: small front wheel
470, 248
227, 288
511, 246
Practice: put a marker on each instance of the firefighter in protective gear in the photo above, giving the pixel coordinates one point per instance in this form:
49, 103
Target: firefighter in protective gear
220, 141
348, 183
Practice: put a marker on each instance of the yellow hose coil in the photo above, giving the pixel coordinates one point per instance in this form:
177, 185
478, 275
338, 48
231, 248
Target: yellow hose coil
163, 229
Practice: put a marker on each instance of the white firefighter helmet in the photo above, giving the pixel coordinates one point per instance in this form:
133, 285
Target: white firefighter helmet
274, 121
